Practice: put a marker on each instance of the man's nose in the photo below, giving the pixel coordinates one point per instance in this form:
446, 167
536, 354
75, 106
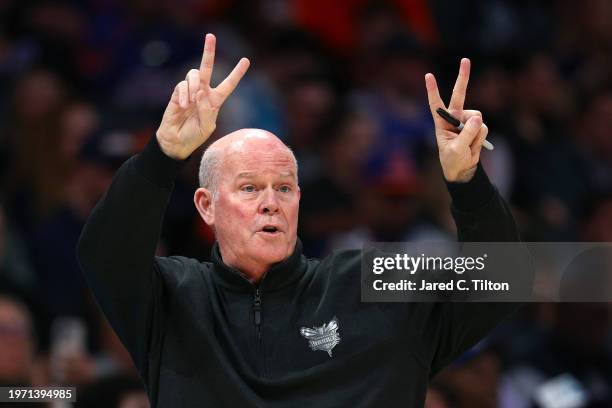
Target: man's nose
269, 203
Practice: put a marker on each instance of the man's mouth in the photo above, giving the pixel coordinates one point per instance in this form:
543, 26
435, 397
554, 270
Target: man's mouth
270, 230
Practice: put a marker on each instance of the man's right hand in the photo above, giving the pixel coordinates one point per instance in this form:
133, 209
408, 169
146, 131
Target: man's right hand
191, 115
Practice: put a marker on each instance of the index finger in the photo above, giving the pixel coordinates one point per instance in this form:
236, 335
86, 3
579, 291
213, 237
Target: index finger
208, 59
460, 89
433, 95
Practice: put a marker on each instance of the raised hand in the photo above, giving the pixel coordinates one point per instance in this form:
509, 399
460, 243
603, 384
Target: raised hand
459, 152
191, 115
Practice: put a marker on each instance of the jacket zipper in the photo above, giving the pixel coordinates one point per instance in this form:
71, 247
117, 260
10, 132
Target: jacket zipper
257, 314
257, 311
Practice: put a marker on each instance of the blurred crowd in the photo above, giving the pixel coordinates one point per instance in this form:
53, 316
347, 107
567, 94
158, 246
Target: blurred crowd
84, 85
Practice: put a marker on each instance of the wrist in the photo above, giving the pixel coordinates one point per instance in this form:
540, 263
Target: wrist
474, 193
461, 177
157, 166
169, 148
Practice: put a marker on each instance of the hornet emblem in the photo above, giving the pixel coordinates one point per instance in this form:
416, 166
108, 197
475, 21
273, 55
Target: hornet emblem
324, 337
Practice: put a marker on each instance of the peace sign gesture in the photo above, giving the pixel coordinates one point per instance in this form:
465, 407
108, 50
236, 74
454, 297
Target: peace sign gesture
459, 152
191, 115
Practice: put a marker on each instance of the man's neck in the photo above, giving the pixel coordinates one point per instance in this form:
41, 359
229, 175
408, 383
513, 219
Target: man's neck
252, 270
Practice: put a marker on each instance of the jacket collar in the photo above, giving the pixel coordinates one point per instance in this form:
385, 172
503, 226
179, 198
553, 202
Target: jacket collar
278, 276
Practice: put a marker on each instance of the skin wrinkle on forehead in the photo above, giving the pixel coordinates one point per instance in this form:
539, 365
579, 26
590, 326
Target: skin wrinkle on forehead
251, 163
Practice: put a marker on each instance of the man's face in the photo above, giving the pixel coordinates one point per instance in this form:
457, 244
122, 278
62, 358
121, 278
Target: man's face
257, 202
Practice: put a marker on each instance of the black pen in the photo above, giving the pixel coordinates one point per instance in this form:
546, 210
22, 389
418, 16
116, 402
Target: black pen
459, 125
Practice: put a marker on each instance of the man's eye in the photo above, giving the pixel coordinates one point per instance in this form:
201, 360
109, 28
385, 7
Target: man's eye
284, 189
248, 189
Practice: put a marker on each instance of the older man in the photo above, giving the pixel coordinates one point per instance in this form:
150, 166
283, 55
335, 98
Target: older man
262, 325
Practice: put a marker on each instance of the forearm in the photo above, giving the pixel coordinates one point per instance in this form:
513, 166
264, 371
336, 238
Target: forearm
480, 213
117, 246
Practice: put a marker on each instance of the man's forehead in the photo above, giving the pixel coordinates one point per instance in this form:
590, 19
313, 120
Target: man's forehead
251, 162
247, 153
241, 139
253, 144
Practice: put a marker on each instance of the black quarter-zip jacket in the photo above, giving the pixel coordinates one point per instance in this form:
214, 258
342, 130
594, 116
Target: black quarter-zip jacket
201, 335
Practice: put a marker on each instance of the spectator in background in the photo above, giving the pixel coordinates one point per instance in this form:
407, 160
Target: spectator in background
33, 135
17, 343
595, 140
395, 101
53, 240
571, 362
493, 93
390, 208
311, 103
549, 172
473, 380
289, 53
583, 43
75, 364
328, 201
597, 227
15, 260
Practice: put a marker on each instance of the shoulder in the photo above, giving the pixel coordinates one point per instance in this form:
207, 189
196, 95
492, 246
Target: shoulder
342, 256
341, 264
176, 271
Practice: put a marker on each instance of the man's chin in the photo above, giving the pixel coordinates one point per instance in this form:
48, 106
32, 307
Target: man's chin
274, 257
272, 252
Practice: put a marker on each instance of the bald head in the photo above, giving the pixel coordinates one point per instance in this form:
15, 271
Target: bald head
237, 142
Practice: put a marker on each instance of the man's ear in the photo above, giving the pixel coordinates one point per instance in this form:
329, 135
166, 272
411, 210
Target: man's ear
203, 200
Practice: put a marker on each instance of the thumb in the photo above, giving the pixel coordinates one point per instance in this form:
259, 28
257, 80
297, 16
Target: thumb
471, 130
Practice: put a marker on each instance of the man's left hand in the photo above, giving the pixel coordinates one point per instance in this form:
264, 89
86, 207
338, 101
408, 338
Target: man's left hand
459, 151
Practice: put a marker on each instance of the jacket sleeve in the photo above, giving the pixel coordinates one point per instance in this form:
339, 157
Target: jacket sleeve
481, 215
117, 246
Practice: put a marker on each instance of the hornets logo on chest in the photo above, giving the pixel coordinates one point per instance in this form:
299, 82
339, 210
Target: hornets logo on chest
324, 338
